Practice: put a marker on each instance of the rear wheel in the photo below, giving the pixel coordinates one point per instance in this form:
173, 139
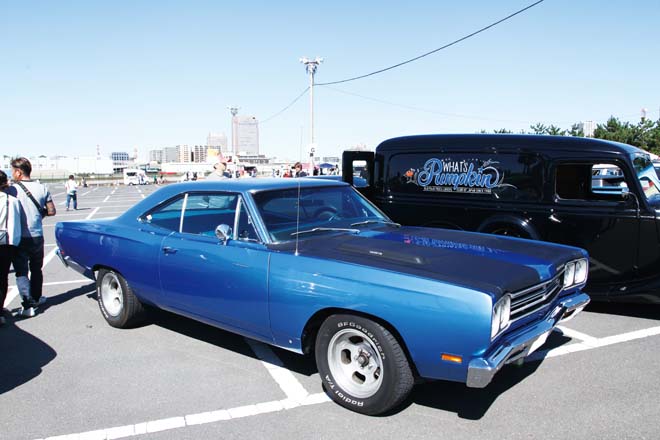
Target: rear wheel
119, 306
509, 231
362, 365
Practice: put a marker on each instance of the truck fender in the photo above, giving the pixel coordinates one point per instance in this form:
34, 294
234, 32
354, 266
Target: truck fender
515, 223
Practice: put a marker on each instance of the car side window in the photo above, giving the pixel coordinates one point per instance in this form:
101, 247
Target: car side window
204, 212
167, 216
245, 230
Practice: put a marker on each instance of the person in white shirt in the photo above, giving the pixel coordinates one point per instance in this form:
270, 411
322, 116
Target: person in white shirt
36, 203
71, 192
10, 236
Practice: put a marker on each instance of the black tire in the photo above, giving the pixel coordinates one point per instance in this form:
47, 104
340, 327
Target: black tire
509, 231
119, 306
362, 365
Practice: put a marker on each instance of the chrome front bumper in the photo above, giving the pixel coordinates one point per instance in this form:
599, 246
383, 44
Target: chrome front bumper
481, 370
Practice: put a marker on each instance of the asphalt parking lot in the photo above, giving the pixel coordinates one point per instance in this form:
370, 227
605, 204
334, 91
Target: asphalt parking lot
67, 374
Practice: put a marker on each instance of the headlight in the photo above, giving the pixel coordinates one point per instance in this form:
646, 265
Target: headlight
581, 269
569, 274
575, 272
501, 316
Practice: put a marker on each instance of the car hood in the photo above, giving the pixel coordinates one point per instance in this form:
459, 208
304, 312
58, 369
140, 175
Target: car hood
484, 262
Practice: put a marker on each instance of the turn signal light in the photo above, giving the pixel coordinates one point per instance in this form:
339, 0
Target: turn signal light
452, 358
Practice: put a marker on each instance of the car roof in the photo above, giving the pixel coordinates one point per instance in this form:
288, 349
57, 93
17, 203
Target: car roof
518, 141
243, 185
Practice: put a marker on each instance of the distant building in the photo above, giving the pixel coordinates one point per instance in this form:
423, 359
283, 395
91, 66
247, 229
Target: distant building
183, 154
170, 154
218, 141
156, 156
120, 160
245, 135
588, 128
199, 153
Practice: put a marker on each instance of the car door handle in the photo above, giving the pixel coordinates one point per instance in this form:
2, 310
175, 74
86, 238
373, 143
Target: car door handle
169, 250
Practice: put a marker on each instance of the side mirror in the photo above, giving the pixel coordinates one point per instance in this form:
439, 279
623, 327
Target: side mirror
223, 232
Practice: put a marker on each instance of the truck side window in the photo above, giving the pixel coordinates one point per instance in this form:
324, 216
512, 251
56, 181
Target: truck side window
588, 181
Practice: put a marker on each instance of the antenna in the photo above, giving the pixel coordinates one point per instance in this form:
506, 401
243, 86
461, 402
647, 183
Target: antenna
297, 220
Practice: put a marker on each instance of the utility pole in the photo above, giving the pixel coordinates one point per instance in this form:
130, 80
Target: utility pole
311, 66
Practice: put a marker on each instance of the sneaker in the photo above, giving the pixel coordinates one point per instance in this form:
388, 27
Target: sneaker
42, 300
29, 312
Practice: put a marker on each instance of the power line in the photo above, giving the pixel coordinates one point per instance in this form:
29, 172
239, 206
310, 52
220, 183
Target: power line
285, 108
419, 109
435, 50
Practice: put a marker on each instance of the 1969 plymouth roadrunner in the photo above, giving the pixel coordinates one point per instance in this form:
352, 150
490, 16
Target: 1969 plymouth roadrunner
313, 267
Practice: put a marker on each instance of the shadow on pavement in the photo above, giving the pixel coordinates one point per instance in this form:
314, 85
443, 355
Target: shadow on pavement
23, 356
226, 340
61, 298
645, 311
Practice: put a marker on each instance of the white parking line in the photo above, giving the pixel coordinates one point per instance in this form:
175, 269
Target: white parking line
574, 334
91, 214
194, 419
284, 378
106, 199
594, 343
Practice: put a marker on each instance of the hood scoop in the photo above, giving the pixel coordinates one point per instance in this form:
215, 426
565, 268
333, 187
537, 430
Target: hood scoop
382, 252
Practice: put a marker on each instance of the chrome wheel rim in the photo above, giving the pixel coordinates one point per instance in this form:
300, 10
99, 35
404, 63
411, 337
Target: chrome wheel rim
355, 363
112, 294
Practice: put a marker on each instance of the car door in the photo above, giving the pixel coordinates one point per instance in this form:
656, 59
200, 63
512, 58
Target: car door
224, 284
591, 212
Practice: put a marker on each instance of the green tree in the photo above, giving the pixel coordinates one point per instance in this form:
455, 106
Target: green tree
538, 128
502, 131
576, 130
555, 131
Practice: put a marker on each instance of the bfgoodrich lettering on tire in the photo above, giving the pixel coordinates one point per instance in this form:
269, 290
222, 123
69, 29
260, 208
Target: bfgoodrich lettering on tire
119, 306
362, 365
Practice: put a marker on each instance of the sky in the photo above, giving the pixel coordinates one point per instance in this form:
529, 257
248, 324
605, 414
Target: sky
154, 74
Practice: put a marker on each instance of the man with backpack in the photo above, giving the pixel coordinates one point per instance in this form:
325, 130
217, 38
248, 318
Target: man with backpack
37, 203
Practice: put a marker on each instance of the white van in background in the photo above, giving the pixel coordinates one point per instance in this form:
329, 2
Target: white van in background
134, 176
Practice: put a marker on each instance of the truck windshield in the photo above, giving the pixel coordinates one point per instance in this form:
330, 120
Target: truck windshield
647, 176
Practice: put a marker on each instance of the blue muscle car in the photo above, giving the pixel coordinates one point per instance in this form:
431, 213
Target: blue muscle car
313, 267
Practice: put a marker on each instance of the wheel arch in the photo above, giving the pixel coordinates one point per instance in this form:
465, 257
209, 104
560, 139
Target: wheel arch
521, 224
313, 325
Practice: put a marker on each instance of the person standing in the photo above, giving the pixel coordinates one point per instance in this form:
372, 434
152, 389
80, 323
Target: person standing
71, 192
219, 172
298, 171
36, 203
10, 236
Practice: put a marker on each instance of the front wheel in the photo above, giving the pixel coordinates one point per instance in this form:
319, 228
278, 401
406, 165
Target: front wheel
362, 365
119, 305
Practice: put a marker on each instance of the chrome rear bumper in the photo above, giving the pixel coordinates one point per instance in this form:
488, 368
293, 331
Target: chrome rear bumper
481, 370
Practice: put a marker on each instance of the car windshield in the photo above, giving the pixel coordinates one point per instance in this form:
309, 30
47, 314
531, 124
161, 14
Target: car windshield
647, 176
291, 213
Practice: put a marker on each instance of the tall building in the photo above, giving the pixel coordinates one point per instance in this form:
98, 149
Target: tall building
199, 153
183, 153
156, 156
170, 154
217, 141
245, 135
588, 127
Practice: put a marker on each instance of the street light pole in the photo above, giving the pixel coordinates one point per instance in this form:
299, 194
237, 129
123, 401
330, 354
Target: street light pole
311, 66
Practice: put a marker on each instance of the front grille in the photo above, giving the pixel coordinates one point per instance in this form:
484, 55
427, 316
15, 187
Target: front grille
527, 301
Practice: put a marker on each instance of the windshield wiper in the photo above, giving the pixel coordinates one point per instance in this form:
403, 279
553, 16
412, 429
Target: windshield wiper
368, 222
310, 231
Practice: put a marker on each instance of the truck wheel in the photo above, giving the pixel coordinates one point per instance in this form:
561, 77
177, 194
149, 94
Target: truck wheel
119, 306
362, 365
509, 231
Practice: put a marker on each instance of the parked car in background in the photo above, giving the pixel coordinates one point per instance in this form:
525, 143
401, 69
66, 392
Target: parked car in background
598, 195
311, 266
